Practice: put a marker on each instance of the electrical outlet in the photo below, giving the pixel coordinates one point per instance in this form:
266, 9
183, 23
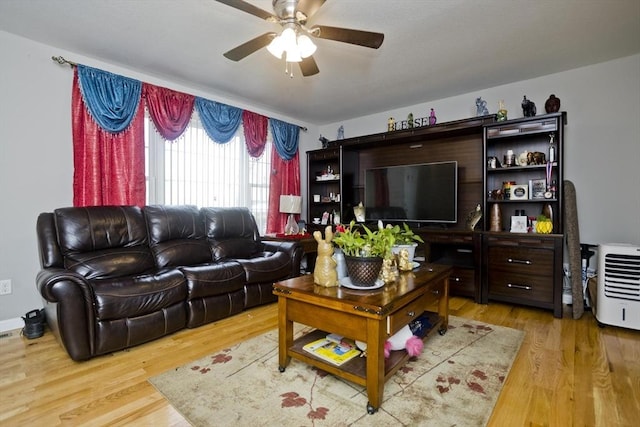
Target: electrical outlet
5, 287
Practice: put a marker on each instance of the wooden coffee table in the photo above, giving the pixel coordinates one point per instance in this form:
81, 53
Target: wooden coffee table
370, 316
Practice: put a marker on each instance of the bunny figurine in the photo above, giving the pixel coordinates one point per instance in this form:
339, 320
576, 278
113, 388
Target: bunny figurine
325, 273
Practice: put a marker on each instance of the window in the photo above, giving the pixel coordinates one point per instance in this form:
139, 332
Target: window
196, 170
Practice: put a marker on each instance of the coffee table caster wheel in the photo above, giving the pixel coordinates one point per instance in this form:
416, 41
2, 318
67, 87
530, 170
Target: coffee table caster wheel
370, 409
281, 368
442, 331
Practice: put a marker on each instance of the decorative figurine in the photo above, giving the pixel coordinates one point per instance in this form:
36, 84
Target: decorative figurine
359, 212
391, 124
501, 115
340, 132
432, 118
481, 107
325, 273
403, 260
528, 107
324, 141
536, 158
473, 217
410, 120
552, 105
389, 271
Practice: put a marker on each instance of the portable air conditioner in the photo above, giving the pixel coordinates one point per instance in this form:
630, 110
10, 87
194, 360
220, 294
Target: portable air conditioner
618, 302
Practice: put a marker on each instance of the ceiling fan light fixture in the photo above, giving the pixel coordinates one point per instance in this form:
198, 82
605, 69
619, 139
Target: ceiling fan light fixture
293, 46
293, 55
305, 46
276, 47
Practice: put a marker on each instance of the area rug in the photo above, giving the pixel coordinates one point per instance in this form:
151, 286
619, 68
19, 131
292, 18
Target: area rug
454, 382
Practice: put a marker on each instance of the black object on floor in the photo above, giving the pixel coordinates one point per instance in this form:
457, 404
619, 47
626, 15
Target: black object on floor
33, 324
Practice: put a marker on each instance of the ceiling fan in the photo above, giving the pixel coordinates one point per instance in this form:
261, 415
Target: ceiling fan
294, 43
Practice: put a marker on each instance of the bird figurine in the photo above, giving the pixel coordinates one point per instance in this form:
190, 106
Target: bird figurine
473, 217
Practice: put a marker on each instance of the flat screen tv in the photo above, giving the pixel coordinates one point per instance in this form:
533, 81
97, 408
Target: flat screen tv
420, 193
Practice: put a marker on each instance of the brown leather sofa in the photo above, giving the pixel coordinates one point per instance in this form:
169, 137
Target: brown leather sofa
116, 276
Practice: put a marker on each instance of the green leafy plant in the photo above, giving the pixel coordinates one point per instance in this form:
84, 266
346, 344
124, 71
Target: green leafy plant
361, 241
405, 235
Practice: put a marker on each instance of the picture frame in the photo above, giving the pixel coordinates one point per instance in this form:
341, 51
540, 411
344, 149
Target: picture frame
325, 218
537, 188
519, 192
519, 224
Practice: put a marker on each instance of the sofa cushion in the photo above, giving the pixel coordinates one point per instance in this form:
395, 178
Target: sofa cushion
104, 241
232, 232
176, 235
110, 264
266, 267
213, 279
136, 296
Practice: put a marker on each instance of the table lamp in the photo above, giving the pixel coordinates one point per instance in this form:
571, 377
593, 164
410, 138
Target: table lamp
291, 205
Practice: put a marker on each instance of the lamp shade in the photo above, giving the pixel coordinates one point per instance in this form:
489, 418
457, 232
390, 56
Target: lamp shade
290, 204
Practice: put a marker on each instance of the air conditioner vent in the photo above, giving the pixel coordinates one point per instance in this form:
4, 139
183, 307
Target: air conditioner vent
622, 276
618, 285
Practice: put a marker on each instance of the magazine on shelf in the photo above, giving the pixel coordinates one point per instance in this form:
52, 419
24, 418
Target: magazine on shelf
332, 350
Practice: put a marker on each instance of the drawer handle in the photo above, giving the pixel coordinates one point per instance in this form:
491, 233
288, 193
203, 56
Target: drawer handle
435, 292
515, 286
519, 261
455, 279
411, 313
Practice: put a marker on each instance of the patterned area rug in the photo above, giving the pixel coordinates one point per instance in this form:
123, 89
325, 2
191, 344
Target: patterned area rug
454, 382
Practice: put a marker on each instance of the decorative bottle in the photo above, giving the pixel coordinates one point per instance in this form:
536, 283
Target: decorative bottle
432, 118
552, 148
501, 115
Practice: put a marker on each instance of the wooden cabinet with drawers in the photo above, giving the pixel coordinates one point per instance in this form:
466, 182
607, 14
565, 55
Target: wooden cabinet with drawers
461, 250
524, 269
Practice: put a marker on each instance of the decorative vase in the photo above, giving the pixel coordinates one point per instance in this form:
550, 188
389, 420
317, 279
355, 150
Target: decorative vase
363, 271
552, 105
495, 215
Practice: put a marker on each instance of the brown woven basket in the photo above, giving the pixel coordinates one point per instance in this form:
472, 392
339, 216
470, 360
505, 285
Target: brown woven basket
363, 271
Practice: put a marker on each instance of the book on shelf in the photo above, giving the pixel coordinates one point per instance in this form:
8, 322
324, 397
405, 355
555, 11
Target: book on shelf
332, 350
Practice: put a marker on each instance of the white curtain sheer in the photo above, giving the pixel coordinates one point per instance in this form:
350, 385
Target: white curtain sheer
195, 170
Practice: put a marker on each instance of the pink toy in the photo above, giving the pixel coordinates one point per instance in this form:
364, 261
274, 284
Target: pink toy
404, 340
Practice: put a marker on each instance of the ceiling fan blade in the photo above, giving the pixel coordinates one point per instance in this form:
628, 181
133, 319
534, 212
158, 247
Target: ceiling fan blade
309, 7
246, 49
346, 35
308, 66
249, 8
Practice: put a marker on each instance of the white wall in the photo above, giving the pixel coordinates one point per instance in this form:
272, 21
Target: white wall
602, 144
36, 163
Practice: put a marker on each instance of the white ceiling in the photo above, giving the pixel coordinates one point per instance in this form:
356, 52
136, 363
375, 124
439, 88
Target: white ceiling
433, 49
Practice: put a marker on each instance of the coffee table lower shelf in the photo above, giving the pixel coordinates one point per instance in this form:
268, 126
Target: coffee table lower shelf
355, 369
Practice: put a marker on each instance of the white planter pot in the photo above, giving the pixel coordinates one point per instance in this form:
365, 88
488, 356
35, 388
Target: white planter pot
411, 248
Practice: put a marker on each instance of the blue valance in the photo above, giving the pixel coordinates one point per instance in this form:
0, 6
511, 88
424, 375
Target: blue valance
112, 100
285, 138
220, 121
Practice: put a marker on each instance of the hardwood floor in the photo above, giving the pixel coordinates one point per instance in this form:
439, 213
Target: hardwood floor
567, 373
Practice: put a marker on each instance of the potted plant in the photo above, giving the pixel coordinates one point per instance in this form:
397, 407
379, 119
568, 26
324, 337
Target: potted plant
405, 238
364, 250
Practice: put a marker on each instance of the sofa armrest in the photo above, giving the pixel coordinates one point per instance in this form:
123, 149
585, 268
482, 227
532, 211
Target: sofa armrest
292, 248
74, 321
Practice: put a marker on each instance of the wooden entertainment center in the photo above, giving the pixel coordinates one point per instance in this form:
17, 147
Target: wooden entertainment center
523, 268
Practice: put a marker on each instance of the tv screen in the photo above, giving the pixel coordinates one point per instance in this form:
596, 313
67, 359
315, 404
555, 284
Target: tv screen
426, 192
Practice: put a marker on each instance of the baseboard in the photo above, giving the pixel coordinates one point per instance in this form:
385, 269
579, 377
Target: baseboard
11, 324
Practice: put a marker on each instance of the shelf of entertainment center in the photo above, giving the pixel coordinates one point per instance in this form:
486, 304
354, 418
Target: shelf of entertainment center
521, 201
512, 169
460, 249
